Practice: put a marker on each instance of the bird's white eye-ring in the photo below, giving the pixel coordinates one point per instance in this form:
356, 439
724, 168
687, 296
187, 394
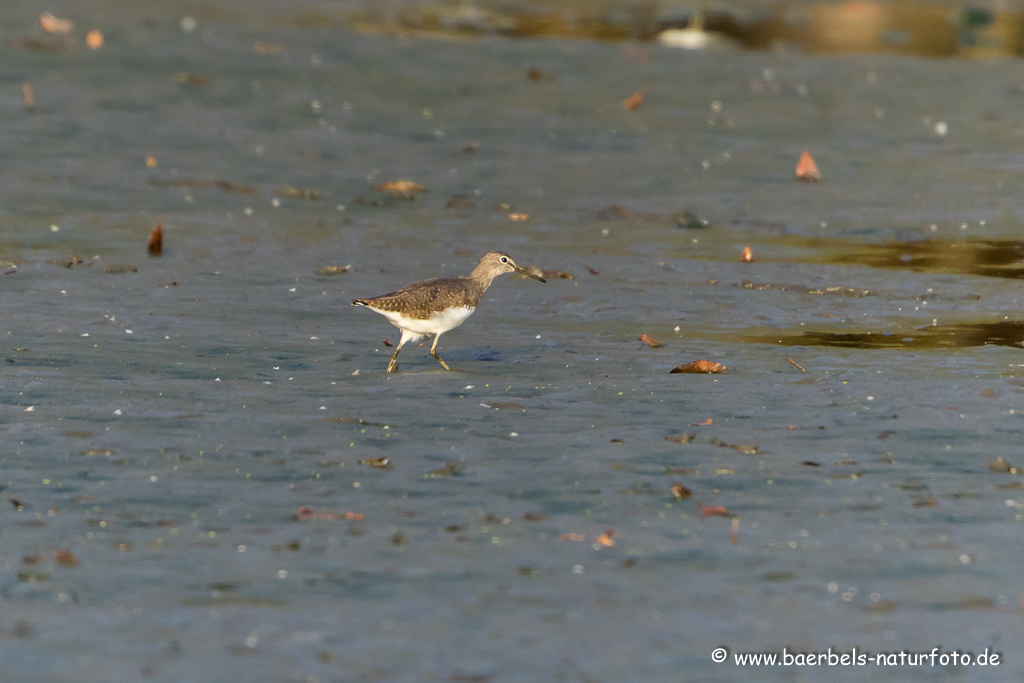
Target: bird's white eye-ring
504, 259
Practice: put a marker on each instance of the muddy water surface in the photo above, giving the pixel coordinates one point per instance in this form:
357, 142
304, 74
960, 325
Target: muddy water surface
207, 473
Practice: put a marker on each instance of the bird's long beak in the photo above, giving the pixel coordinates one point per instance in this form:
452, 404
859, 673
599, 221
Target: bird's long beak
523, 271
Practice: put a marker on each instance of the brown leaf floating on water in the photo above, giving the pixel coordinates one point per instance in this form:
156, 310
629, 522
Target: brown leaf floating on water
650, 341
928, 502
399, 539
712, 510
52, 24
593, 271
28, 93
519, 216
634, 101
680, 491
747, 256
705, 423
156, 240
94, 39
699, 366
65, 557
403, 188
806, 169
607, 539
681, 437
572, 537
534, 517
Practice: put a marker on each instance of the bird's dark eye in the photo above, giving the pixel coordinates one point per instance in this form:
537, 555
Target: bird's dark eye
504, 260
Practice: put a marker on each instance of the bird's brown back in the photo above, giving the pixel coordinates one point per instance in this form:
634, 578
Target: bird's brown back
421, 299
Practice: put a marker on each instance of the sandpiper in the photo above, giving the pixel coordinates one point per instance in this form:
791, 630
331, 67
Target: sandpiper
440, 304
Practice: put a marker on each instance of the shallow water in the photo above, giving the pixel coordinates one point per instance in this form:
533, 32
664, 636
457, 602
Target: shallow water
168, 426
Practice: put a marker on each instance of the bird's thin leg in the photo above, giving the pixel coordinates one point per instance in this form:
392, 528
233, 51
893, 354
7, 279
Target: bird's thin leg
393, 365
433, 352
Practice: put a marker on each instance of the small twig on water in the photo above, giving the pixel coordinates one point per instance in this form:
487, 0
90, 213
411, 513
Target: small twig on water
795, 364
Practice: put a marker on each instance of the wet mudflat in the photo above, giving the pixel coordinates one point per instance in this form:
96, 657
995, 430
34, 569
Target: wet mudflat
207, 473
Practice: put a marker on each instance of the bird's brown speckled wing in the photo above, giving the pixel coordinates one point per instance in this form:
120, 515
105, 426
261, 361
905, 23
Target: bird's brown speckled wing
419, 300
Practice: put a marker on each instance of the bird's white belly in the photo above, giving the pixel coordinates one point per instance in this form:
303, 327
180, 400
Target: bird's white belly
438, 322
